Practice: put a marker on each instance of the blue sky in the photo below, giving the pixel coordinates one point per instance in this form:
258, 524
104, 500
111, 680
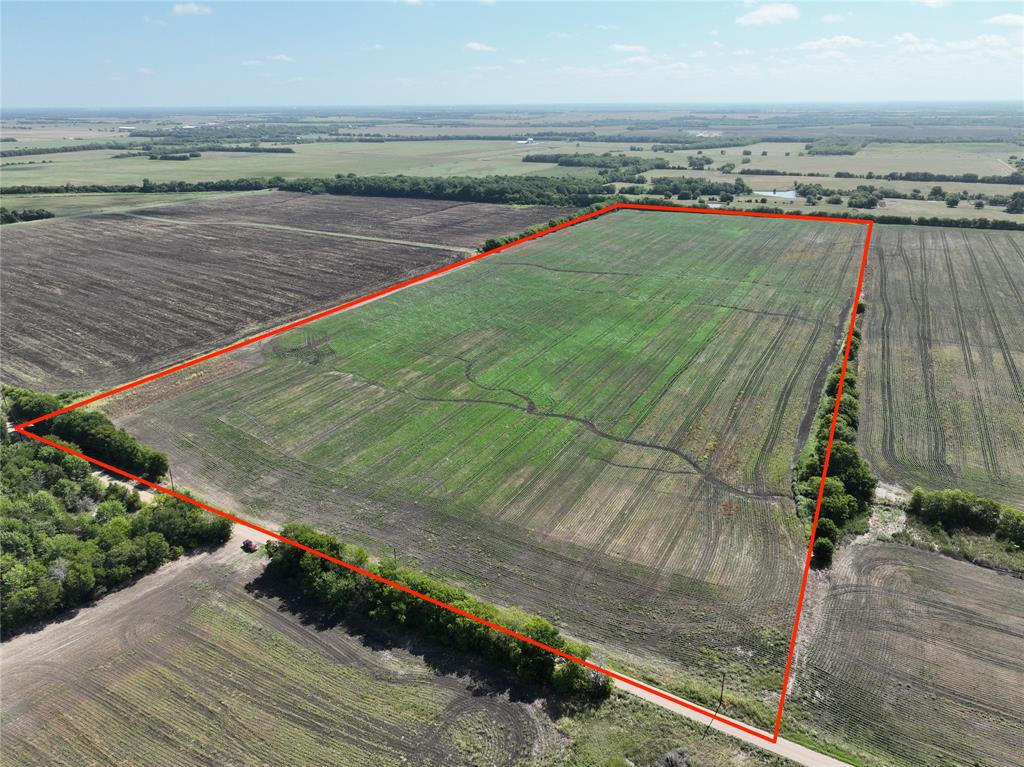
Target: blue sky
419, 53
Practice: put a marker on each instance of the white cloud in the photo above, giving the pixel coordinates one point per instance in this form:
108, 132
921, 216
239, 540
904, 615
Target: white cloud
645, 60
934, 3
698, 55
479, 47
191, 9
607, 27
412, 2
716, 44
981, 42
743, 52
280, 57
1006, 20
833, 18
251, 63
906, 38
621, 48
145, 71
374, 47
769, 13
832, 43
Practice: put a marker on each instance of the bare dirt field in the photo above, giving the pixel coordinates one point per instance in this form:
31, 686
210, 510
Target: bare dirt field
915, 656
598, 426
96, 301
942, 366
188, 667
442, 222
197, 664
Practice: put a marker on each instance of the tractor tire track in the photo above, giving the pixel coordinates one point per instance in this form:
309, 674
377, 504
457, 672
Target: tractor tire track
997, 328
988, 452
937, 443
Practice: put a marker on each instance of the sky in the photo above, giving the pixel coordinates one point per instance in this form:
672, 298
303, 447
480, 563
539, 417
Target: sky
232, 54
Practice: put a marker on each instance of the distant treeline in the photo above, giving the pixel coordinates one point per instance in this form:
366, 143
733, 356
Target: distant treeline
606, 160
834, 146
16, 216
339, 592
516, 190
68, 538
89, 429
774, 172
688, 188
955, 510
850, 485
966, 178
144, 148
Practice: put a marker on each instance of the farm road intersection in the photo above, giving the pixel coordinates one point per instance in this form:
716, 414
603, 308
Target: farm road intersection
770, 741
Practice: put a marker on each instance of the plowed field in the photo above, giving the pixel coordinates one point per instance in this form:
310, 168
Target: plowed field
96, 301
942, 366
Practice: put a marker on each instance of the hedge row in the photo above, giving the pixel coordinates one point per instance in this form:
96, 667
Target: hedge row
339, 591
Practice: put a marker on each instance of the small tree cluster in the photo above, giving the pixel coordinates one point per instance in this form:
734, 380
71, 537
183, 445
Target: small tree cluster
959, 509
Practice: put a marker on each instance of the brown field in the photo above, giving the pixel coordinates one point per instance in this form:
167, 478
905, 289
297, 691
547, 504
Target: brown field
96, 301
915, 656
193, 666
942, 367
187, 667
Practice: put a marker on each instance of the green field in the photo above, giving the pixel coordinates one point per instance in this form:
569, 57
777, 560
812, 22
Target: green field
598, 426
985, 159
414, 158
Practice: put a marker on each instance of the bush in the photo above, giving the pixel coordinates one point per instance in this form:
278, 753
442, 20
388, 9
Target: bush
827, 529
959, 509
823, 551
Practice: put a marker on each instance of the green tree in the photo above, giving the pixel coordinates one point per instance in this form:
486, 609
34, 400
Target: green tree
823, 551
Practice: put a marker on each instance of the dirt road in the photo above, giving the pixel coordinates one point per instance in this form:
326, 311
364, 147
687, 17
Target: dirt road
785, 748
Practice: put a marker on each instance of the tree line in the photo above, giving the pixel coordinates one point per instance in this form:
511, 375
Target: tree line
958, 509
688, 188
850, 485
89, 429
515, 190
68, 538
16, 216
339, 592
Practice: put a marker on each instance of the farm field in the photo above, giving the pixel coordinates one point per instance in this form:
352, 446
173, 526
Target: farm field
942, 365
782, 183
193, 666
915, 656
95, 301
597, 426
985, 159
86, 203
412, 158
893, 207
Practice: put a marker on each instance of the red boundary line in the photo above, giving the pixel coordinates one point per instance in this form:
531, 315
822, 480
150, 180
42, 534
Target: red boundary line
22, 428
